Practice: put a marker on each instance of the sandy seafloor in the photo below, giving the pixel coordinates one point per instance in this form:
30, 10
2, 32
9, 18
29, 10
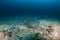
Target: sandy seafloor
25, 28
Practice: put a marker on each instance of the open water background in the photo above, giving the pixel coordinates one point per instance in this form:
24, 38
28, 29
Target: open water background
30, 8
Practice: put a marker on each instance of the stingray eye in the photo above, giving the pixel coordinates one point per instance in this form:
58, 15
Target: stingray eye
49, 26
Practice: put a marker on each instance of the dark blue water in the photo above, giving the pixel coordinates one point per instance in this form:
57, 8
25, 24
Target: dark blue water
43, 8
